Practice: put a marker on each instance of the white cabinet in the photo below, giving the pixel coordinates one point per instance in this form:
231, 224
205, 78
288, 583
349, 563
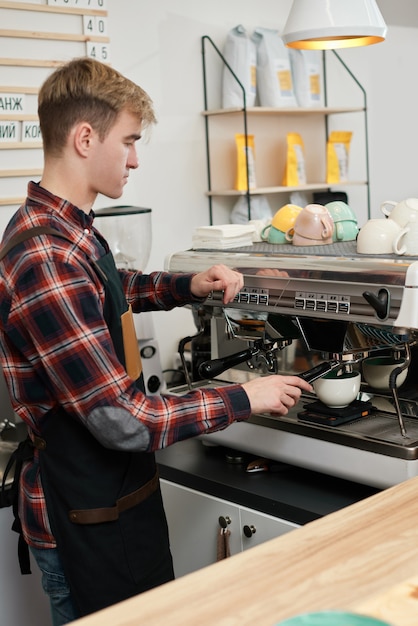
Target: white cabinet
259, 527
193, 520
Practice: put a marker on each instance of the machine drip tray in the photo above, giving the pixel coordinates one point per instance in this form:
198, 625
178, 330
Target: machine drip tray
385, 428
378, 432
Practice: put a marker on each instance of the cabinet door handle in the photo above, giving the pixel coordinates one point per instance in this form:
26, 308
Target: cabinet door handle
224, 521
249, 530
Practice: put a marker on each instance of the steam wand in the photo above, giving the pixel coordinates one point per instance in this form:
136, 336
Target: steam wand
392, 386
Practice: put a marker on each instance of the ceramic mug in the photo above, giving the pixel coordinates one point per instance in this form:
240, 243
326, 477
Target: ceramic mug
336, 389
273, 235
406, 241
298, 240
377, 236
285, 217
401, 212
376, 371
345, 221
315, 223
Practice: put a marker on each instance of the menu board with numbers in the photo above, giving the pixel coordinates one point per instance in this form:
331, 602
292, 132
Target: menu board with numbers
54, 31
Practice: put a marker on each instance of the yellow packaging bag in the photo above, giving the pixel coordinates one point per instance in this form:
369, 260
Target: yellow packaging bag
295, 172
245, 153
338, 149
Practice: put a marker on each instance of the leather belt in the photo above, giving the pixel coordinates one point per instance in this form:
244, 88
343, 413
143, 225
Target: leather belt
111, 514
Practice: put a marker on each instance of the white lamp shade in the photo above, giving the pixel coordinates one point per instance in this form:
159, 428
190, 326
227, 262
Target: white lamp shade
324, 24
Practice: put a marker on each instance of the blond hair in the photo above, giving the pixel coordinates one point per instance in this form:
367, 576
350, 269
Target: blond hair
86, 90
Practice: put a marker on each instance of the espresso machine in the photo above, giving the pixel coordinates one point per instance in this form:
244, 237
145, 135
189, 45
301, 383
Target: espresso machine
307, 311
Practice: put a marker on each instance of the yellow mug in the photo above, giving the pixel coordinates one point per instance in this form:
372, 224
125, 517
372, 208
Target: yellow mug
285, 217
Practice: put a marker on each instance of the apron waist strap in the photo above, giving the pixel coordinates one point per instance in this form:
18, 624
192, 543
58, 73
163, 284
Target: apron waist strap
111, 514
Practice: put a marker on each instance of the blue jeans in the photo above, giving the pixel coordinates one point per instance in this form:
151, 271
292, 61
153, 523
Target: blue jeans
55, 586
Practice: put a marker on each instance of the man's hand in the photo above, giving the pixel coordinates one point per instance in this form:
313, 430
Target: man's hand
217, 278
275, 394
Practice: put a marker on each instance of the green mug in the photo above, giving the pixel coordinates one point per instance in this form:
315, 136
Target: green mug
273, 235
345, 221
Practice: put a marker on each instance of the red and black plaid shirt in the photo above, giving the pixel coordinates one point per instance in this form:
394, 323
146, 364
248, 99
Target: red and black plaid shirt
56, 350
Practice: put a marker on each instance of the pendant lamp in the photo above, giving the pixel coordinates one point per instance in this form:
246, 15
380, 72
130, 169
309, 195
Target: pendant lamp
326, 24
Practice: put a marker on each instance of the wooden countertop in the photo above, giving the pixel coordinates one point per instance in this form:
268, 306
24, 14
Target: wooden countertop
362, 558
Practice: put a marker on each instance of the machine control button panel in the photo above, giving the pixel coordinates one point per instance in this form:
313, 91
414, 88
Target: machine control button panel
298, 300
252, 295
323, 302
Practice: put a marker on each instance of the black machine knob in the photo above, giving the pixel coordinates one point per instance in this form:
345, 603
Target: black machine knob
380, 302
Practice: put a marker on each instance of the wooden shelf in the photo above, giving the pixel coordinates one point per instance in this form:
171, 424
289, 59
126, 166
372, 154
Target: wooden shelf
20, 145
19, 89
49, 8
285, 111
282, 189
12, 201
30, 62
22, 172
18, 117
57, 15
27, 34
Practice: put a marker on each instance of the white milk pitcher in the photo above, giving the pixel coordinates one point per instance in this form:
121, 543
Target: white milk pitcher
406, 241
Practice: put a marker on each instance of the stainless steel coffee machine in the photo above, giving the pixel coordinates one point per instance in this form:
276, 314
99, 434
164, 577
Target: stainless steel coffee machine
307, 311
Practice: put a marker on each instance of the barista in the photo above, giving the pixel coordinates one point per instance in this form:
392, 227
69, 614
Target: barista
90, 504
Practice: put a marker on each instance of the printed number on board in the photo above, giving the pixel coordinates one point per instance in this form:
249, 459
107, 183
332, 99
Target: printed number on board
93, 25
79, 4
98, 51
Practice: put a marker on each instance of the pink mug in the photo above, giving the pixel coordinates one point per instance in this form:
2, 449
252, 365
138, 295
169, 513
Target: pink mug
314, 225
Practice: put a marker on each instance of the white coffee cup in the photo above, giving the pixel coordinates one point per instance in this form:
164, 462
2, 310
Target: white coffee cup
406, 241
337, 390
377, 369
401, 212
377, 235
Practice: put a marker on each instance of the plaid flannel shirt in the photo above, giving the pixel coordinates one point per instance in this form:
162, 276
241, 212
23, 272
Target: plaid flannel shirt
56, 350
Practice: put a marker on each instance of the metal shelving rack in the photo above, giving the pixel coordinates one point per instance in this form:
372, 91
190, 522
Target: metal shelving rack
245, 112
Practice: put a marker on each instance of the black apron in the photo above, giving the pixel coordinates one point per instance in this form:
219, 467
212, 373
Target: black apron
105, 506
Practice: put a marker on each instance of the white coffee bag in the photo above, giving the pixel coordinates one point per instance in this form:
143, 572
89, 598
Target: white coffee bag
306, 72
240, 54
259, 208
274, 75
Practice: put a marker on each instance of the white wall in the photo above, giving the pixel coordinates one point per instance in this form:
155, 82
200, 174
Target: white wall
158, 44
